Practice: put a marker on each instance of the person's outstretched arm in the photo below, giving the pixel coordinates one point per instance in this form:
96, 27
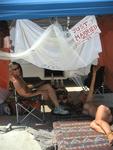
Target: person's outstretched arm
91, 89
22, 88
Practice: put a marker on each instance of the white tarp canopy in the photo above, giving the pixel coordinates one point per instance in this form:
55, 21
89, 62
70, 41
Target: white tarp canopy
52, 48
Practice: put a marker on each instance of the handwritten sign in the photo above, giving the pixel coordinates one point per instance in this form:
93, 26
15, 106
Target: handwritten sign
85, 29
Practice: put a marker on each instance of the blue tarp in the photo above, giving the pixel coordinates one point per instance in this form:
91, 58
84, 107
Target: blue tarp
29, 9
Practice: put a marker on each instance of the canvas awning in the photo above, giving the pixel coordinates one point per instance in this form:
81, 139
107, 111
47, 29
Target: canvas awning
30, 9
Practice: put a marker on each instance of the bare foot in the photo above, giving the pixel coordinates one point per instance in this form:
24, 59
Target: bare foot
110, 138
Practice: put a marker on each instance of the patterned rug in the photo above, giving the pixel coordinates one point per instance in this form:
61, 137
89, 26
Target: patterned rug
77, 135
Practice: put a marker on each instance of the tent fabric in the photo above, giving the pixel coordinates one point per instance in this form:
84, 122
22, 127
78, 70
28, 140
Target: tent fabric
53, 49
4, 71
5, 46
106, 58
27, 9
4, 93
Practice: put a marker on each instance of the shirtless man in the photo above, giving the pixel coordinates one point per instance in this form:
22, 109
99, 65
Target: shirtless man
102, 114
16, 77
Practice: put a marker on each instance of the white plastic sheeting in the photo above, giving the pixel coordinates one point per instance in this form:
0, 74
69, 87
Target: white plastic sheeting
18, 140
52, 48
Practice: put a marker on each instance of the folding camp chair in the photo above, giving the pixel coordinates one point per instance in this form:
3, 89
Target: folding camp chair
78, 81
99, 81
31, 107
99, 90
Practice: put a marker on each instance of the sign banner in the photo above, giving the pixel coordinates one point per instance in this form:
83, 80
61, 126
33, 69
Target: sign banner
85, 29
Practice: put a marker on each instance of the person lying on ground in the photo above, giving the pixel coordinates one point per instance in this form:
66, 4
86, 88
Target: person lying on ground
16, 77
102, 114
102, 122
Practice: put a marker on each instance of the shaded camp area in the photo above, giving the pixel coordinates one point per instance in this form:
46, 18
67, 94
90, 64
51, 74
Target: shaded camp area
43, 41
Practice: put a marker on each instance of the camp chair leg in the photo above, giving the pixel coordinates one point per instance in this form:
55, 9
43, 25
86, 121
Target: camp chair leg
17, 113
43, 112
43, 108
29, 113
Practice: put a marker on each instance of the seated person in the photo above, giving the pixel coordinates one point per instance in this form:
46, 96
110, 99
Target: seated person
89, 106
16, 77
101, 113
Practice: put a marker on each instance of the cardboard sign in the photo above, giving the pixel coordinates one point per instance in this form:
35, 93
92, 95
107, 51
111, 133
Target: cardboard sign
85, 29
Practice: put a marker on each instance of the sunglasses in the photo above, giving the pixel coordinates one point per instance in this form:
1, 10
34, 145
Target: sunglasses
15, 69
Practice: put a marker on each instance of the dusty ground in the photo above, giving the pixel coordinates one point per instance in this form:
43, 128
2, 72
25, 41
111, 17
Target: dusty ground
33, 131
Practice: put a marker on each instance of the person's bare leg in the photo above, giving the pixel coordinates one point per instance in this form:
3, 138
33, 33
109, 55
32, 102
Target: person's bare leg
91, 88
106, 128
51, 93
102, 119
90, 108
95, 126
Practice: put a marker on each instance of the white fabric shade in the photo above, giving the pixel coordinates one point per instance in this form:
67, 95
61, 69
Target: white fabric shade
52, 48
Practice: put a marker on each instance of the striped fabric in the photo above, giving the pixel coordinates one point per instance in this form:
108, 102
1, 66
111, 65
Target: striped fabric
77, 135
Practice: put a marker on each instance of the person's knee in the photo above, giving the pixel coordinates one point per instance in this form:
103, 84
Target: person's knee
103, 108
